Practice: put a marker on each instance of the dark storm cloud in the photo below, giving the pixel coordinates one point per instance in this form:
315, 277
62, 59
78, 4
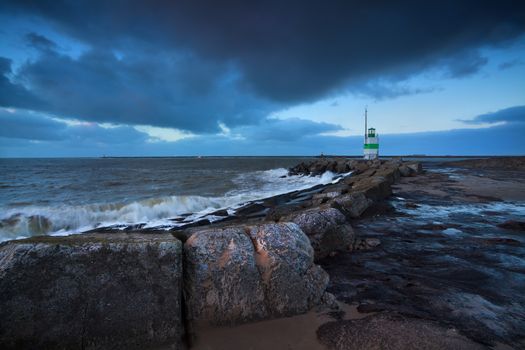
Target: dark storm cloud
40, 42
279, 51
28, 126
178, 90
23, 125
13, 94
513, 115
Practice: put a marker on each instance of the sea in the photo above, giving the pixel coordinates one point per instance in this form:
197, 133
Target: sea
67, 195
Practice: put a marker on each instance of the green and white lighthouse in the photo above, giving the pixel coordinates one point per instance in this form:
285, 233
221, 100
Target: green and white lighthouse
371, 147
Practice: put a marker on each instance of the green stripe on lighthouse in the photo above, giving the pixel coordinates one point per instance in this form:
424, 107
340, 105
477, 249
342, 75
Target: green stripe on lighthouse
372, 146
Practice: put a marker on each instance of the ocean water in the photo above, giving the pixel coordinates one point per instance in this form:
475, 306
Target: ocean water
63, 196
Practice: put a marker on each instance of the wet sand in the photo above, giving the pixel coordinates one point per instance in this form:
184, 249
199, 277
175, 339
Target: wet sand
291, 333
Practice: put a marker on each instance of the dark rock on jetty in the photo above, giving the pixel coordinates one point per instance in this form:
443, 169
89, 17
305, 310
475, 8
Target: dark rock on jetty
91, 291
326, 228
138, 290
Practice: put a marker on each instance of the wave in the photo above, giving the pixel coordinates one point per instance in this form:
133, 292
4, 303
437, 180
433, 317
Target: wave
154, 212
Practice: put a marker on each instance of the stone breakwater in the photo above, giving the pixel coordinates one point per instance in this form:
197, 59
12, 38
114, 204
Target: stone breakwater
144, 290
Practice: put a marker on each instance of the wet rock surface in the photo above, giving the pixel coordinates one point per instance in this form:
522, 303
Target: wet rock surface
91, 291
443, 260
326, 228
392, 332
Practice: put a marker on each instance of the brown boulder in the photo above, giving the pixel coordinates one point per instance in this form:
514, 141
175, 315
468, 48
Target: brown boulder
238, 274
326, 228
352, 205
216, 261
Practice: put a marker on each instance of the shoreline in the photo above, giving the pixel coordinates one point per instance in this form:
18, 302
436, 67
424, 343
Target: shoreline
237, 271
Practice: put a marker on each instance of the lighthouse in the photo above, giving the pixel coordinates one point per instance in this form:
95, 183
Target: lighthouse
371, 147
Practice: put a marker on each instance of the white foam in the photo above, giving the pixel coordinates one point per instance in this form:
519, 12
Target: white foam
153, 212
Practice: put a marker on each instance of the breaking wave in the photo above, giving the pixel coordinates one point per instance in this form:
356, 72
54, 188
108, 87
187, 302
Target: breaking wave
27, 221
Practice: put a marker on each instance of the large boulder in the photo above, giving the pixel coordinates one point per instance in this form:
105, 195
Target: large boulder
390, 172
353, 204
375, 188
326, 228
222, 282
416, 167
405, 171
285, 259
91, 291
239, 274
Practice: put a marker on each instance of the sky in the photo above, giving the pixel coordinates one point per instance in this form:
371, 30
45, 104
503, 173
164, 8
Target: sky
187, 78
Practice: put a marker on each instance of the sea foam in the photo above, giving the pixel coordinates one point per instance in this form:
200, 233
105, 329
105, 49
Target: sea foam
153, 212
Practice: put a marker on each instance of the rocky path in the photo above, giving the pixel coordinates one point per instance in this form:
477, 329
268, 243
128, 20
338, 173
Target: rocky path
443, 258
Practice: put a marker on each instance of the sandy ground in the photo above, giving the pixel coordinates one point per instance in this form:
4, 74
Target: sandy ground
290, 333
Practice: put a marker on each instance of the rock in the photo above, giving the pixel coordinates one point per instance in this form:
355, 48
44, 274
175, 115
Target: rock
342, 168
320, 198
329, 301
326, 229
375, 188
352, 205
366, 244
92, 291
433, 227
513, 225
392, 332
222, 285
252, 210
221, 212
405, 171
359, 167
240, 274
284, 256
372, 242
415, 167
389, 172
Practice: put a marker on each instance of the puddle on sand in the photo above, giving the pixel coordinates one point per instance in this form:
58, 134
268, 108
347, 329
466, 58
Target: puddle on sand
290, 333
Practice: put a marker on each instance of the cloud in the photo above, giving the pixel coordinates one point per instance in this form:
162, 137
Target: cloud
13, 94
24, 125
510, 64
385, 89
178, 90
288, 130
40, 42
296, 51
512, 115
92, 140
